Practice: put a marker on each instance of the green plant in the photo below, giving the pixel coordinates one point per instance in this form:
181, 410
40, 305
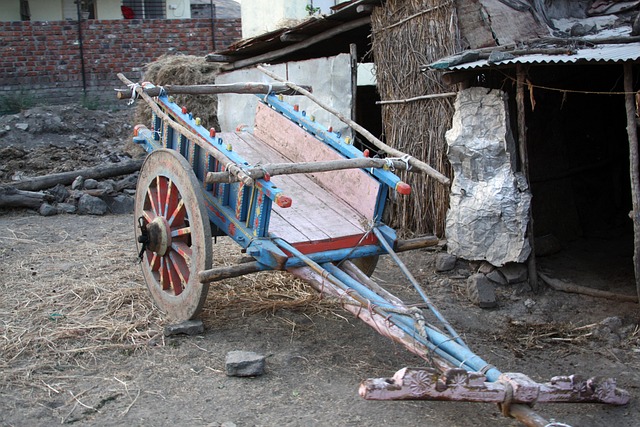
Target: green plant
311, 10
14, 103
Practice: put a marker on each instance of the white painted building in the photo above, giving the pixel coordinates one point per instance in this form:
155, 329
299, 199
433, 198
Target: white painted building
260, 16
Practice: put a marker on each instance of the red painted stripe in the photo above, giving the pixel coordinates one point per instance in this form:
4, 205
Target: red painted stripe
333, 244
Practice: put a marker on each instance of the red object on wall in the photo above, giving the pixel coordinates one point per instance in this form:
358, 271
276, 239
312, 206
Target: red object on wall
127, 12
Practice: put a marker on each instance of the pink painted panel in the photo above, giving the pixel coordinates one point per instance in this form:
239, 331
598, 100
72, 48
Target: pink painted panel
315, 215
354, 186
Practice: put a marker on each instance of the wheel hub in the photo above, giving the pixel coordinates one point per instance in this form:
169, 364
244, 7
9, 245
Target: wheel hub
159, 234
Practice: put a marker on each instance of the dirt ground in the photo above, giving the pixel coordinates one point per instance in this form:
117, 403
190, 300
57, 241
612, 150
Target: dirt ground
82, 343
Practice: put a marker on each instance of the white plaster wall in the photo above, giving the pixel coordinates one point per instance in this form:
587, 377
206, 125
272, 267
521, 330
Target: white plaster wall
108, 9
178, 9
329, 77
10, 11
45, 10
260, 16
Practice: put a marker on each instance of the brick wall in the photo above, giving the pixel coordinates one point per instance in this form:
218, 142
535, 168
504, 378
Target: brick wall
43, 58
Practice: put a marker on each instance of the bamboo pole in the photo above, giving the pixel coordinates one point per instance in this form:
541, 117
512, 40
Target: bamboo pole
241, 88
273, 169
368, 135
195, 139
524, 161
634, 169
417, 98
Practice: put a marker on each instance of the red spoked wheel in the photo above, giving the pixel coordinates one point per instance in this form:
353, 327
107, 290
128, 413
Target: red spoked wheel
173, 228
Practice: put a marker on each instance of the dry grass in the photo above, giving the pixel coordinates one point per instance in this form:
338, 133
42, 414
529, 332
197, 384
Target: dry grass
522, 337
418, 127
70, 296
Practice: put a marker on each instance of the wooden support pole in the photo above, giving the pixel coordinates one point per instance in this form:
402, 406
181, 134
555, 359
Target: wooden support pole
270, 56
634, 169
353, 51
306, 167
221, 273
420, 165
191, 136
66, 178
241, 88
416, 243
524, 162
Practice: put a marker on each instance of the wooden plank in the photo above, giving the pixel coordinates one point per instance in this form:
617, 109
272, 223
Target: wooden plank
353, 186
311, 202
315, 215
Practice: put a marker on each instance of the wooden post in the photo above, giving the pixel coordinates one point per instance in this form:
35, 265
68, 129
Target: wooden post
353, 50
632, 131
524, 162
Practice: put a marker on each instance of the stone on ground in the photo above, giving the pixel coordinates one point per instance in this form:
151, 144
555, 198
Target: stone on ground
514, 272
190, 327
90, 205
480, 291
244, 364
445, 261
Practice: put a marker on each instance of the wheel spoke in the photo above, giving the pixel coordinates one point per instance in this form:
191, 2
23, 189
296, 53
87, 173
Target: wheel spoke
183, 250
159, 182
174, 278
171, 199
149, 215
180, 231
178, 214
151, 197
181, 268
165, 280
154, 260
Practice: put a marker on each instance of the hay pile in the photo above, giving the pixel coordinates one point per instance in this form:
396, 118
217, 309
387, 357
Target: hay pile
183, 70
408, 34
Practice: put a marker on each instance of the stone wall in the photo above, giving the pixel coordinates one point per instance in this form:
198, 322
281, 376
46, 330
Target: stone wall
43, 59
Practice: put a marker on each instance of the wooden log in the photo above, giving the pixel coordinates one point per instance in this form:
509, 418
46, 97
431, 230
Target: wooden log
524, 166
221, 273
191, 136
13, 198
274, 169
66, 178
634, 168
417, 243
364, 132
559, 285
270, 56
240, 88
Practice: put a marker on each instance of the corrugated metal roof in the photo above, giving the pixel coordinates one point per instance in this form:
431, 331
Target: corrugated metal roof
603, 53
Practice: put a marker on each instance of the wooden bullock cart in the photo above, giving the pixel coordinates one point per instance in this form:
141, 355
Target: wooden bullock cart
269, 191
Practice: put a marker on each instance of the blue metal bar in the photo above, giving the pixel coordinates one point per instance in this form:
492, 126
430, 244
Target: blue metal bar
437, 342
418, 288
